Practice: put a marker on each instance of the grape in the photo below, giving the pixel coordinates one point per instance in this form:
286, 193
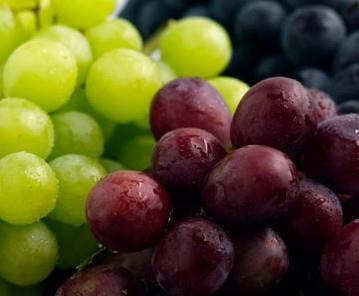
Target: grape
75, 42
4, 288
260, 264
345, 84
339, 264
42, 71
350, 12
113, 34
250, 187
10, 33
312, 34
75, 243
231, 89
24, 126
314, 219
347, 53
103, 280
273, 65
260, 22
28, 253
196, 46
313, 78
27, 20
324, 106
225, 10
195, 257
111, 165
77, 133
127, 203
28, 188
190, 102
183, 158
28, 291
19, 5
198, 10
331, 156
83, 14
1, 82
166, 72
350, 209
77, 175
121, 84
276, 112
298, 3
349, 107
136, 153
46, 14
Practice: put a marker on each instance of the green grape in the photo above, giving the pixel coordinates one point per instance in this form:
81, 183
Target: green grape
75, 42
37, 290
113, 34
19, 5
1, 82
45, 15
166, 72
111, 165
136, 153
143, 123
27, 20
121, 85
28, 253
79, 102
5, 288
28, 188
75, 243
196, 46
77, 175
83, 14
11, 34
231, 89
77, 133
42, 71
24, 127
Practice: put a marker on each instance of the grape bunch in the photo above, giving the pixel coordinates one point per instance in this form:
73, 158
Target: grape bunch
313, 41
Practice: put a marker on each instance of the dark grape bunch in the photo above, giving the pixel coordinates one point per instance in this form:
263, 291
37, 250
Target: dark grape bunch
313, 41
274, 213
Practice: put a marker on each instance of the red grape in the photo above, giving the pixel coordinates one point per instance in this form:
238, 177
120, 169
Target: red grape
128, 211
314, 219
333, 155
276, 112
340, 264
103, 280
190, 102
183, 157
250, 187
351, 210
261, 262
324, 106
194, 258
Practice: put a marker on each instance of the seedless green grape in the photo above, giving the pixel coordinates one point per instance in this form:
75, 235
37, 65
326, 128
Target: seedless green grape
42, 71
27, 20
77, 175
196, 46
113, 34
166, 72
136, 153
19, 5
75, 42
45, 13
1, 82
121, 85
76, 133
28, 188
231, 89
111, 165
83, 14
75, 243
28, 253
24, 127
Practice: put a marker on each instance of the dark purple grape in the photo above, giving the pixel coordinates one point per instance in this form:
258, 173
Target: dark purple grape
314, 219
347, 53
313, 78
340, 264
333, 155
194, 258
324, 106
297, 3
273, 65
349, 107
103, 280
350, 209
312, 34
350, 13
261, 262
345, 84
183, 157
276, 112
128, 211
190, 102
250, 187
